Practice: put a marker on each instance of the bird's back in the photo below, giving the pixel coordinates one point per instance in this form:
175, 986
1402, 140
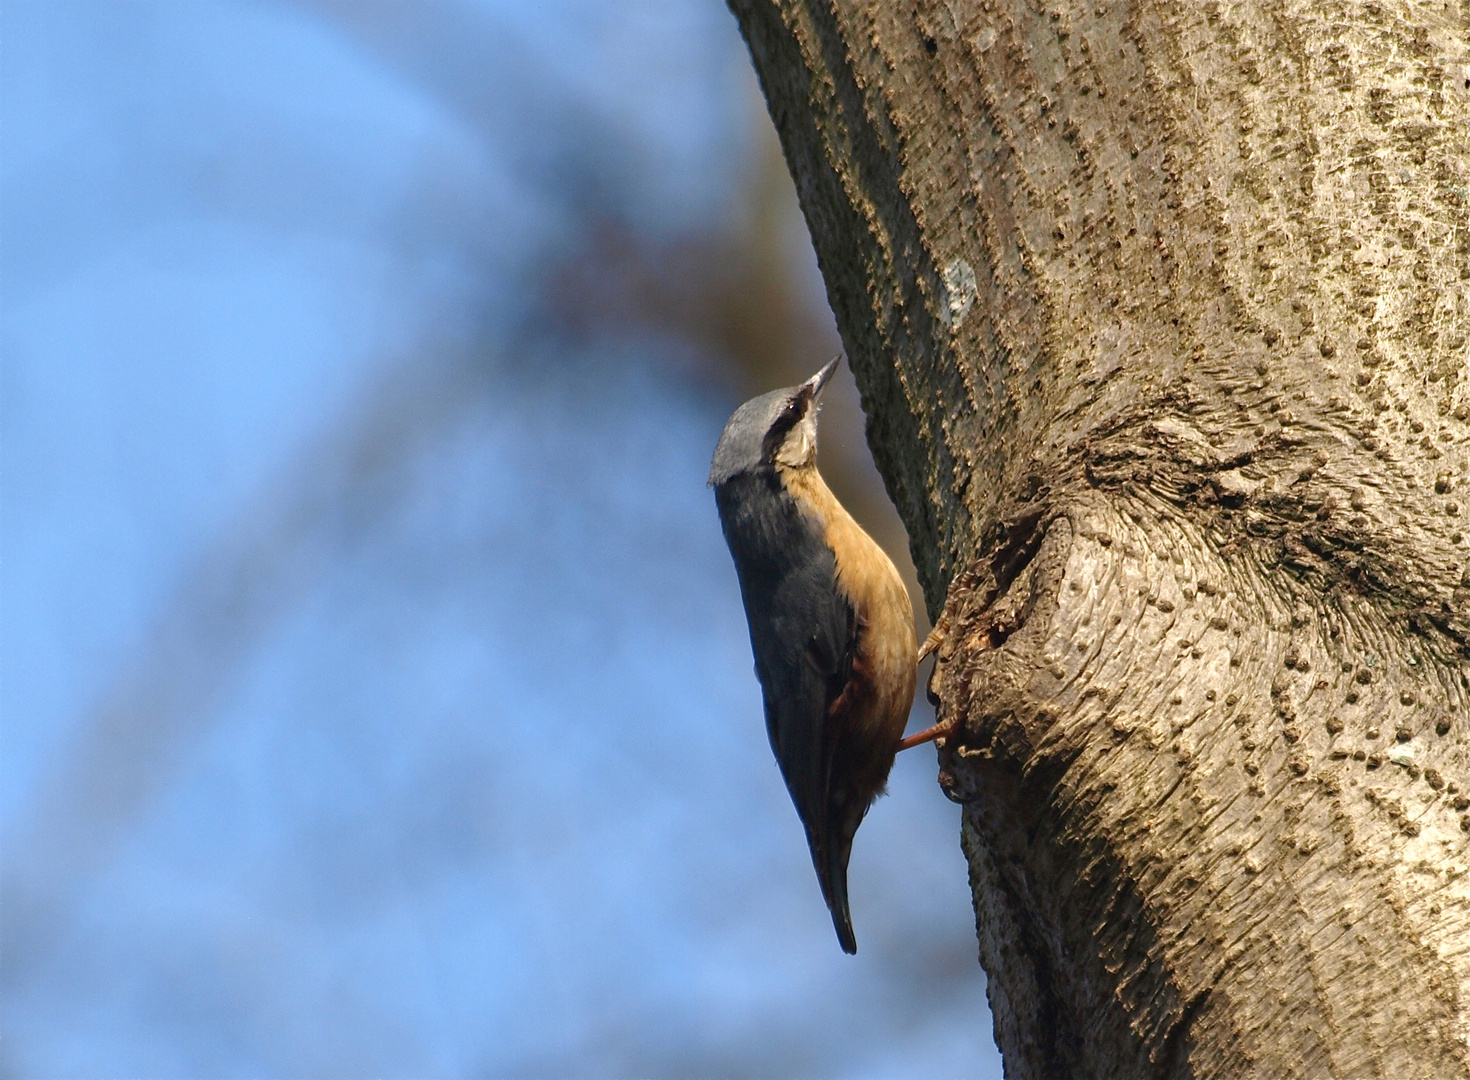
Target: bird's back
802, 631
831, 628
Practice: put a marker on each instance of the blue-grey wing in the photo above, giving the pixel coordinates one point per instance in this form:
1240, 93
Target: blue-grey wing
802, 629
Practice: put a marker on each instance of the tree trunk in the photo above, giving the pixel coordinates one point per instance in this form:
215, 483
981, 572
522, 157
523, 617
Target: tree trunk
1159, 312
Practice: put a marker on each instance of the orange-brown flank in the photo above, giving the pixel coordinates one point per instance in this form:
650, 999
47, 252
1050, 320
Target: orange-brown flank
877, 700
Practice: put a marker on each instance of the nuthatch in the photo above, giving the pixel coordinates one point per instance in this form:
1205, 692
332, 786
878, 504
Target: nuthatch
831, 625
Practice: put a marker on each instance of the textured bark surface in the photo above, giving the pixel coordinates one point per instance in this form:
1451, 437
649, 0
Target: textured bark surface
1160, 316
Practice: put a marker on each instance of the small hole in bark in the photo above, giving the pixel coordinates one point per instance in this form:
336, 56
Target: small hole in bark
931, 46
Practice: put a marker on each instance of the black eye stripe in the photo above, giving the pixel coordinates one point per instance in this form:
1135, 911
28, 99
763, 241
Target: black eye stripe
788, 418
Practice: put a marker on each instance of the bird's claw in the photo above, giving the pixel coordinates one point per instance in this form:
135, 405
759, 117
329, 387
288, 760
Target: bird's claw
934, 639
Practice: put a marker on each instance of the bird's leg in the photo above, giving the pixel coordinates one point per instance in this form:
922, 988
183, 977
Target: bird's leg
929, 734
963, 585
931, 643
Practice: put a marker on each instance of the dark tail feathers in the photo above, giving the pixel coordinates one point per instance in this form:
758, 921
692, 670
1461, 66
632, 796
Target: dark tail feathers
830, 860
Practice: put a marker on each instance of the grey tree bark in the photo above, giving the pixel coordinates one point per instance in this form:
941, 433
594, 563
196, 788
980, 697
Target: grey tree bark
1159, 311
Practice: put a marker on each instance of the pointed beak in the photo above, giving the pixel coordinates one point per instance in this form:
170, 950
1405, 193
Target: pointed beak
819, 380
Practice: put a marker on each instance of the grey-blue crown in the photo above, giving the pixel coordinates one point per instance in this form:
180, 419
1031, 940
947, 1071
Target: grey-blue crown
739, 449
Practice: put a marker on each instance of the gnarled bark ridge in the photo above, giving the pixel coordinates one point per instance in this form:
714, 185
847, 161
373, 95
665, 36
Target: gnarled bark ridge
1160, 315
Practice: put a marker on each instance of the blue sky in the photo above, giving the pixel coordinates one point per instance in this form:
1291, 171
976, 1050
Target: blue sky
376, 695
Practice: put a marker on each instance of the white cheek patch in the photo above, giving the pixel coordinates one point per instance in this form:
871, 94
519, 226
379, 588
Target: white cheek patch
800, 445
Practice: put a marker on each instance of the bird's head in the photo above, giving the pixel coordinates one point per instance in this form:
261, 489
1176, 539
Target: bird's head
779, 428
